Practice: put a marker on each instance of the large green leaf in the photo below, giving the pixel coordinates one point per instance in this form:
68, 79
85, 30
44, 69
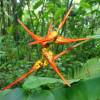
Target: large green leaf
44, 95
34, 82
83, 90
91, 69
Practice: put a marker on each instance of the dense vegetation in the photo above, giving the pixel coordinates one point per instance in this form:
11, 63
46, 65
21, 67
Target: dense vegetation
16, 56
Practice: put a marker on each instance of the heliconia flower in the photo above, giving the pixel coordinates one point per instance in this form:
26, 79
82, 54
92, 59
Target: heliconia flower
51, 35
49, 57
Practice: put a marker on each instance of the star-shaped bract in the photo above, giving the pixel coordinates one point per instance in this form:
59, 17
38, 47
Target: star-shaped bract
49, 57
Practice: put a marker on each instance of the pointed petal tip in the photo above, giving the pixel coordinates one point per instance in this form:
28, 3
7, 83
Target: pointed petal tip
67, 83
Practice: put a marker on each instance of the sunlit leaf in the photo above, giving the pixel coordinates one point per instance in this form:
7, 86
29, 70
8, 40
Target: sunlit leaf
34, 82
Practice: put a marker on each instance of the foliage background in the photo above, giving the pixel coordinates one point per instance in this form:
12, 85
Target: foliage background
16, 56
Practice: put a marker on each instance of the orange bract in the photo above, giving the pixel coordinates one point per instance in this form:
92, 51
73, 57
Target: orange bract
63, 40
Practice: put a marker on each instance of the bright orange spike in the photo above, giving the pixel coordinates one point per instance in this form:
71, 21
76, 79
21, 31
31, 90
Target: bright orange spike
19, 79
35, 67
49, 56
29, 32
65, 18
52, 35
63, 40
38, 42
53, 65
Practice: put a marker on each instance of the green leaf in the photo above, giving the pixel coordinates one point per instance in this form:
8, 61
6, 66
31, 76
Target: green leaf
34, 82
44, 95
15, 94
91, 68
83, 90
